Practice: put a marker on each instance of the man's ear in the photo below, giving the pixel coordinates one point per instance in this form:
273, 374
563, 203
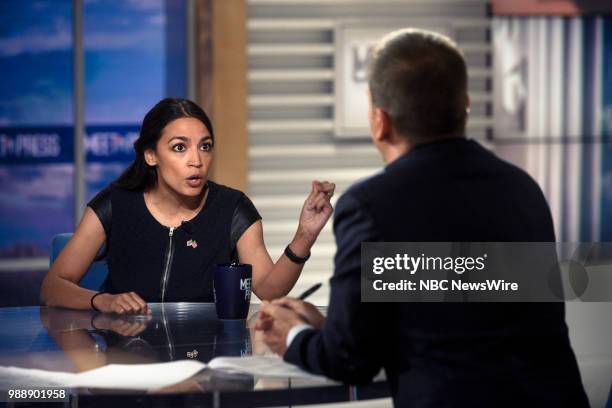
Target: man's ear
382, 125
150, 157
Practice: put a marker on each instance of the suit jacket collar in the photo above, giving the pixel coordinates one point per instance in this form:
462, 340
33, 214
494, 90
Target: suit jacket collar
428, 148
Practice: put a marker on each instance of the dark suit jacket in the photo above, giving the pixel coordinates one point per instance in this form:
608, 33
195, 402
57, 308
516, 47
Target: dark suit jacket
443, 354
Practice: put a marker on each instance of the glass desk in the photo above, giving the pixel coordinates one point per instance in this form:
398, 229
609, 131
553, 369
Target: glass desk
74, 341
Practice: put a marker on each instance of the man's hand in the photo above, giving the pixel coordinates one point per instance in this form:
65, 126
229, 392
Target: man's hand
275, 322
307, 311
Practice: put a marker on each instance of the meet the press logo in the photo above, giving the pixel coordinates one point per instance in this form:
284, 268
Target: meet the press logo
245, 285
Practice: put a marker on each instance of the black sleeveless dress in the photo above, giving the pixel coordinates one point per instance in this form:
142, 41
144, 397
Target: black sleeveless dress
164, 264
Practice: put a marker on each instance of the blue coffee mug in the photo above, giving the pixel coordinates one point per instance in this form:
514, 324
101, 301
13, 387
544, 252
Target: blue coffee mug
232, 290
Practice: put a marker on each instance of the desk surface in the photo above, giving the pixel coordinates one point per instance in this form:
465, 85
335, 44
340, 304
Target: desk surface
73, 341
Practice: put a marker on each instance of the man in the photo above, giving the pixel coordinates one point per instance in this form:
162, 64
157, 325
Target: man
437, 186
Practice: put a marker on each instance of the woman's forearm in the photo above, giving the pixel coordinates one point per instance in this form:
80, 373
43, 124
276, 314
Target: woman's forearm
284, 273
275, 280
60, 292
80, 348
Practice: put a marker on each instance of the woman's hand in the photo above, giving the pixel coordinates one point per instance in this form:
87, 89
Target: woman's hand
316, 210
123, 303
123, 325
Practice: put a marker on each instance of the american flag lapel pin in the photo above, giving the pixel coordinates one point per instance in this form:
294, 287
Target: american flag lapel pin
192, 243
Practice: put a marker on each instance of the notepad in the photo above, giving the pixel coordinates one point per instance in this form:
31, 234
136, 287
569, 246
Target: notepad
261, 366
116, 376
148, 376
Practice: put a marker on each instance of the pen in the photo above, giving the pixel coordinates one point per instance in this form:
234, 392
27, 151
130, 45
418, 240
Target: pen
310, 291
303, 296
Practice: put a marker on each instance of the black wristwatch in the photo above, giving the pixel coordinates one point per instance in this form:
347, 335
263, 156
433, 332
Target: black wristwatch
294, 258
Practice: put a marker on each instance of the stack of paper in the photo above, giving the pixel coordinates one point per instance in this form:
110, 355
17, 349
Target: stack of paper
117, 376
261, 366
147, 376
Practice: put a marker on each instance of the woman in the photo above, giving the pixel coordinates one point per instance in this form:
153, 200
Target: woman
166, 225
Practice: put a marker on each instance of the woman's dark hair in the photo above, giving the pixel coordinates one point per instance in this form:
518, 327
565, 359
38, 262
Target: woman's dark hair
139, 176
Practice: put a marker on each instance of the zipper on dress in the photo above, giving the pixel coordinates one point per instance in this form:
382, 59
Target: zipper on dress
168, 263
168, 334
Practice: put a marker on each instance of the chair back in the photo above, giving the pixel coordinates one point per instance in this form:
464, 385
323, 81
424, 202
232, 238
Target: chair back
96, 274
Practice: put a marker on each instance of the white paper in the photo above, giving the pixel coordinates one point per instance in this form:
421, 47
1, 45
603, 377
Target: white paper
116, 376
138, 376
261, 366
12, 377
148, 376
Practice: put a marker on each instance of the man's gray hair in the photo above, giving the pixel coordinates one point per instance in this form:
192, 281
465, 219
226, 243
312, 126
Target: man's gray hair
419, 78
